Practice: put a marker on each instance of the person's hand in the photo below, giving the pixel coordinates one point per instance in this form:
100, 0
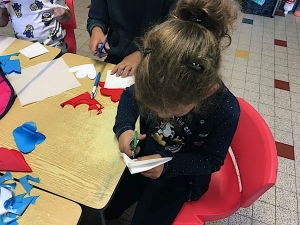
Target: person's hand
124, 142
128, 66
97, 38
155, 172
62, 14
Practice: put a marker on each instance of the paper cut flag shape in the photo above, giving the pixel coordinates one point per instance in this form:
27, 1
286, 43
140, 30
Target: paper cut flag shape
87, 70
114, 94
84, 98
9, 66
7, 176
26, 137
26, 185
136, 166
13, 160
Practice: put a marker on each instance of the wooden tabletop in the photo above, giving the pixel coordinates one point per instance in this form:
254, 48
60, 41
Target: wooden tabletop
17, 45
49, 209
79, 159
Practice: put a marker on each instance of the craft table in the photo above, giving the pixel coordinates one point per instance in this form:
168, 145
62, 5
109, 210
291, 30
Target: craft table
79, 159
49, 209
17, 45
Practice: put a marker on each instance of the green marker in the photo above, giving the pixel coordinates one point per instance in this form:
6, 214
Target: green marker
135, 143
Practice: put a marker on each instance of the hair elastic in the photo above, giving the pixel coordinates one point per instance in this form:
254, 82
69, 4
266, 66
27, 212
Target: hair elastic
194, 66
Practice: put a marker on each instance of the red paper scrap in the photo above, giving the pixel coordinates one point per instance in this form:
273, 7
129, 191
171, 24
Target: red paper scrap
84, 98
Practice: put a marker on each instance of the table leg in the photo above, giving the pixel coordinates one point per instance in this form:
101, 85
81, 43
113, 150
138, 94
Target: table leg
275, 8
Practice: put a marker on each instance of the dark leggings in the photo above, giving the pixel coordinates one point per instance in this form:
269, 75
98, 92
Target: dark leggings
156, 204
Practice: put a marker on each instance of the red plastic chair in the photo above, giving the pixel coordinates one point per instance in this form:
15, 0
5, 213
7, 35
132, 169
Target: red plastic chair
255, 152
70, 27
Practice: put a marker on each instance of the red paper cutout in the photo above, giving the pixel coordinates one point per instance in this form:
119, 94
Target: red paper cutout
114, 94
13, 160
84, 98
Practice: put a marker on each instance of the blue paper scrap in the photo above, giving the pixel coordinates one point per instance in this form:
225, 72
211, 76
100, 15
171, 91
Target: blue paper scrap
17, 204
7, 176
9, 66
26, 185
26, 137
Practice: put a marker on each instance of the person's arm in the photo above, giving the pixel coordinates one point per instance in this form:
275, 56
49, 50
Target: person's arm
127, 113
98, 16
210, 156
4, 17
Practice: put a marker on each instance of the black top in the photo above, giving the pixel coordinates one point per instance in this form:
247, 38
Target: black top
197, 143
126, 20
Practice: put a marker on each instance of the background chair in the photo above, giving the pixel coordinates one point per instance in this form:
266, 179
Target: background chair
255, 152
70, 27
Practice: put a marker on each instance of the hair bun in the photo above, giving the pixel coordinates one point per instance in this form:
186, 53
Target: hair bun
216, 15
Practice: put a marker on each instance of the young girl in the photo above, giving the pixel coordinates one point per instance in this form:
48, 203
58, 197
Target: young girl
186, 112
37, 20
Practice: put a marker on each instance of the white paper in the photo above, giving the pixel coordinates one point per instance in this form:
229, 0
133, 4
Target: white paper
136, 166
86, 70
112, 81
5, 194
42, 81
5, 42
34, 50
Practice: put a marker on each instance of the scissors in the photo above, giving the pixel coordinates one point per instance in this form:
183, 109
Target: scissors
101, 48
133, 144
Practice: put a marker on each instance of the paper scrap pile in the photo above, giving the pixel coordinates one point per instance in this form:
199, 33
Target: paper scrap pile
13, 206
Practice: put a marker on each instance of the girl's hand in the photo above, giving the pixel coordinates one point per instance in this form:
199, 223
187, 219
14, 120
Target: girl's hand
62, 15
97, 38
124, 142
128, 66
155, 172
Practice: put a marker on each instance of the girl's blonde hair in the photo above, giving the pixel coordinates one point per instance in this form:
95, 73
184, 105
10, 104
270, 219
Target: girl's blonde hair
181, 57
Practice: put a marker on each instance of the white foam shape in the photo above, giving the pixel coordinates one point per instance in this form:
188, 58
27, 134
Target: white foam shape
86, 70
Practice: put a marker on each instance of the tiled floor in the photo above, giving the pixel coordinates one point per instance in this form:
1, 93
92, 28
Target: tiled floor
262, 65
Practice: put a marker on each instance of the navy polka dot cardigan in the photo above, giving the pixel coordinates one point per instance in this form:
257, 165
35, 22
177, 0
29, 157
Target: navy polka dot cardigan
197, 143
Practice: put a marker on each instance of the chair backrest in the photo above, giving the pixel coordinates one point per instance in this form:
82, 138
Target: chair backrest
72, 23
255, 152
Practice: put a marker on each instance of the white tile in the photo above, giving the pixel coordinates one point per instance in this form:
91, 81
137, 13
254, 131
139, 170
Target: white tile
267, 46
281, 69
264, 212
281, 62
254, 63
294, 79
266, 99
270, 120
284, 137
266, 109
219, 222
239, 67
253, 78
282, 76
238, 92
268, 59
251, 86
283, 113
269, 196
286, 199
267, 90
284, 216
281, 55
292, 51
253, 70
243, 47
237, 83
286, 166
267, 81
239, 219
283, 103
241, 61
255, 49
255, 56
251, 96
286, 181
238, 75
267, 73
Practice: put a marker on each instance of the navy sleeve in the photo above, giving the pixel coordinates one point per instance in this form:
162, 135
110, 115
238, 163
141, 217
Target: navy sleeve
127, 112
98, 16
210, 156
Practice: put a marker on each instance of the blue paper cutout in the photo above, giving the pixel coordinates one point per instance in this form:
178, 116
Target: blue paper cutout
7, 176
26, 137
17, 204
8, 66
26, 185
12, 66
